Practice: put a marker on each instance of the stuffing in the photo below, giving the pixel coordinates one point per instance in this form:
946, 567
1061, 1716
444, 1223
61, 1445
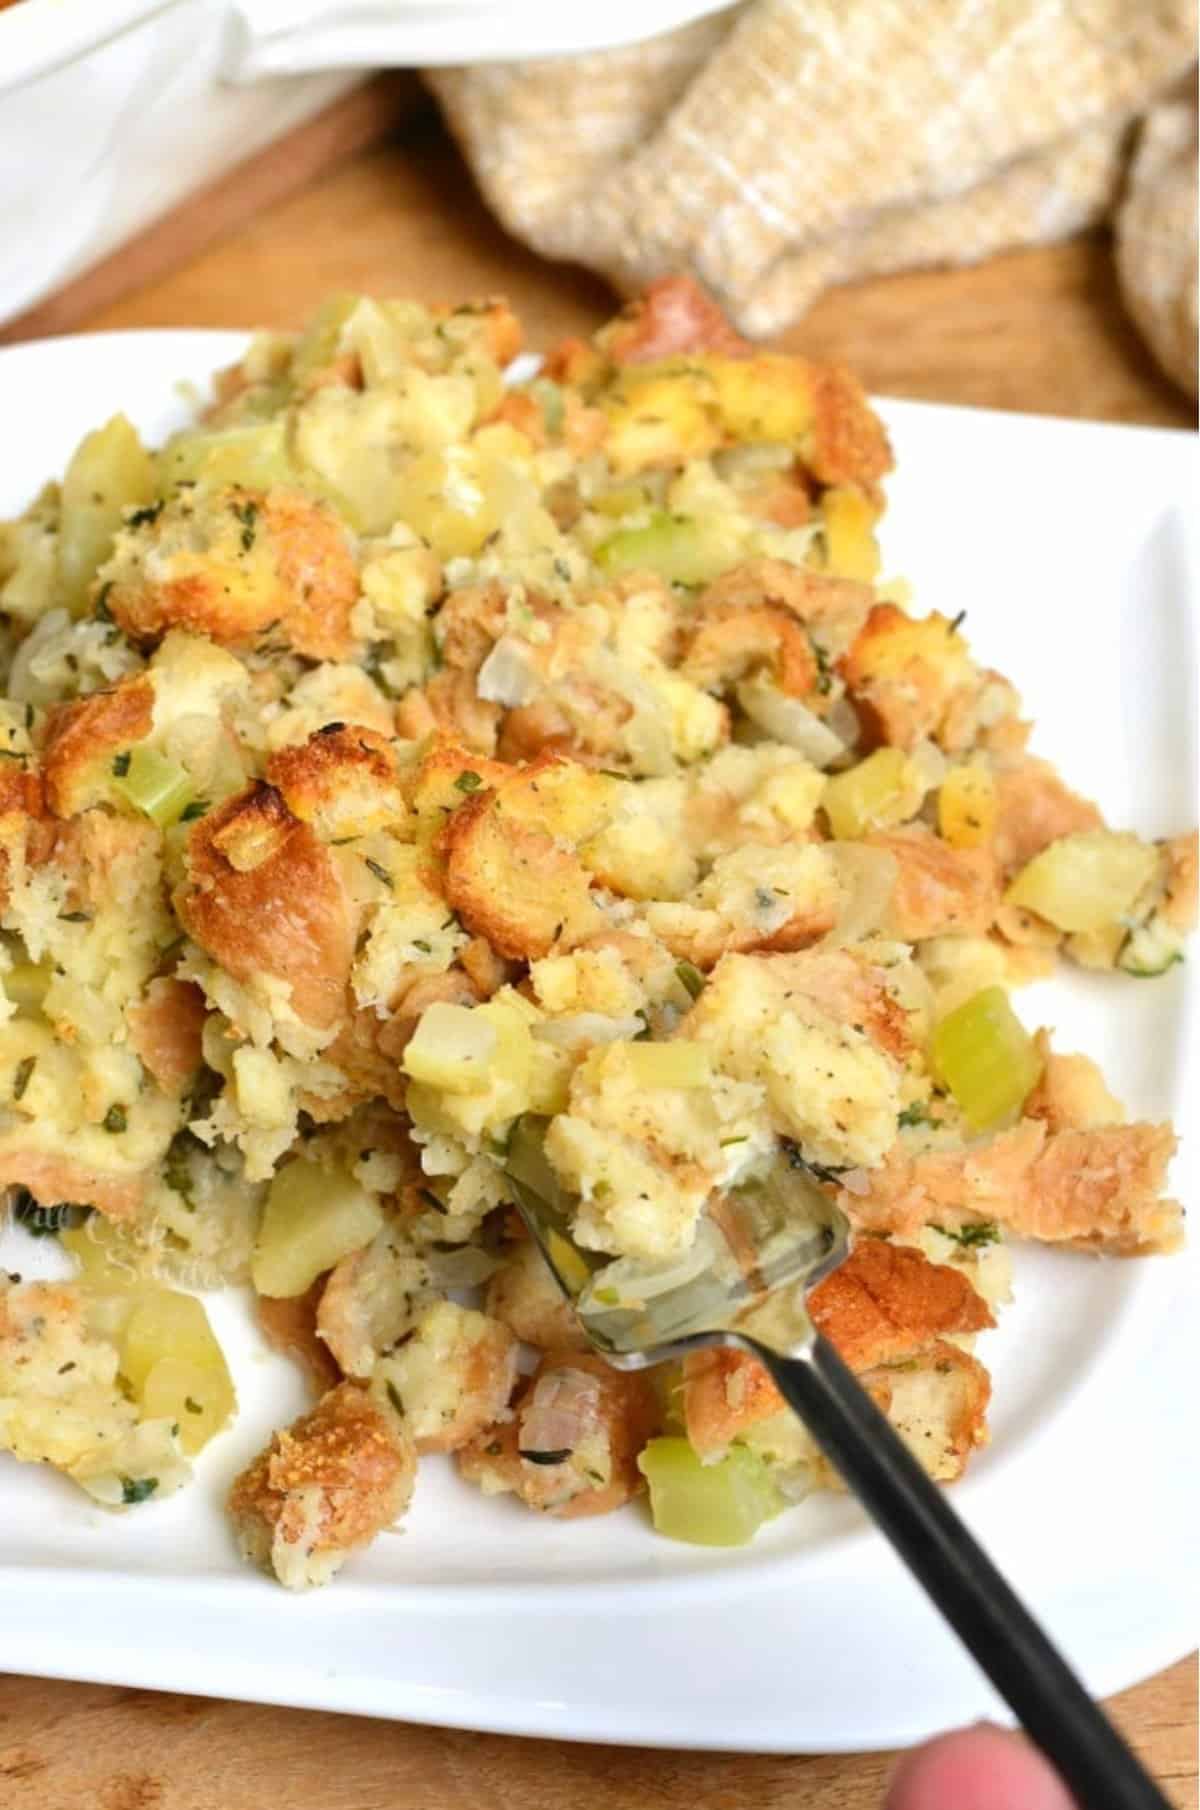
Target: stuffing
1099, 1188
372, 1299
939, 890
264, 898
240, 565
524, 1296
450, 1375
324, 1487
890, 1313
401, 770
570, 1446
62, 1404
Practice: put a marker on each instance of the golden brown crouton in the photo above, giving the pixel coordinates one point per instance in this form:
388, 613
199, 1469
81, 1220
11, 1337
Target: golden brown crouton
165, 1029
884, 1305
1033, 809
25, 829
524, 1296
342, 781
939, 889
904, 673
511, 874
835, 608
56, 1180
449, 705
938, 1404
372, 1299
1070, 1094
263, 897
289, 1325
673, 314
324, 1487
84, 737
234, 566
1100, 1188
571, 1445
730, 641
495, 328
847, 443
450, 1375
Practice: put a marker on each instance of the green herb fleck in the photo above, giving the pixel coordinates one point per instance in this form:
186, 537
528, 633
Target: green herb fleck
190, 812
915, 1114
142, 518
247, 515
120, 764
984, 1232
100, 609
690, 978
743, 1139
431, 1200
424, 947
137, 1489
559, 1457
824, 675
23, 1076
394, 1396
381, 873
115, 1119
468, 781
75, 917
193, 1407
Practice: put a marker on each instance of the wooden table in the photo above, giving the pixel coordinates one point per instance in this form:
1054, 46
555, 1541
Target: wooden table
1039, 330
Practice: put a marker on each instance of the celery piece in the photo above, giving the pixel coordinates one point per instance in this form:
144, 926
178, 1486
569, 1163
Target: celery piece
313, 1218
721, 1504
982, 1052
677, 547
26, 985
1086, 881
879, 792
156, 786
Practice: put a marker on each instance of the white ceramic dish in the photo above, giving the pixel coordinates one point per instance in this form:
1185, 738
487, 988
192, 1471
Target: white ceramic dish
111, 112
1068, 544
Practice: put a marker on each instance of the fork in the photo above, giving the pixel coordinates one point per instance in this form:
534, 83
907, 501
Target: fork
777, 1237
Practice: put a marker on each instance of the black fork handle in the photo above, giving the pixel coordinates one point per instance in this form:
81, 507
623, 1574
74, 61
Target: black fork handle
997, 1630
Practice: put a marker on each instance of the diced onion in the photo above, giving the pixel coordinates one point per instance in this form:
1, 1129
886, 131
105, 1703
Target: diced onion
508, 675
868, 877
789, 721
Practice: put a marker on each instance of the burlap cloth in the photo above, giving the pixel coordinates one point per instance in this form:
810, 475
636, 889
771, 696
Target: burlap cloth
785, 145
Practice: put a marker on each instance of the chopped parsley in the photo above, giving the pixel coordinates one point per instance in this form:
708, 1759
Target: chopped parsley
247, 515
193, 1407
190, 812
468, 781
380, 872
916, 1114
394, 1396
824, 676
120, 764
972, 1236
559, 1457
137, 1489
115, 1119
100, 609
23, 1076
431, 1200
42, 1222
142, 518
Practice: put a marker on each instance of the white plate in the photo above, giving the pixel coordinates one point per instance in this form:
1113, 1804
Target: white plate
1068, 545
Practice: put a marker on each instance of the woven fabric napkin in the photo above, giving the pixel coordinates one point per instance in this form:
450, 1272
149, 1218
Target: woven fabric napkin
785, 145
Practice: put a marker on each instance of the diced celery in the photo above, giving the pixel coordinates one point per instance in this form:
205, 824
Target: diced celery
721, 1504
109, 472
982, 1052
451, 1048
313, 1218
171, 1360
1085, 881
253, 453
622, 499
1148, 951
158, 787
679, 548
879, 792
26, 984
674, 1064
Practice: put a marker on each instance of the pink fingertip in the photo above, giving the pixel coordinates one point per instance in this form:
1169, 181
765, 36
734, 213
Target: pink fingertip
981, 1768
